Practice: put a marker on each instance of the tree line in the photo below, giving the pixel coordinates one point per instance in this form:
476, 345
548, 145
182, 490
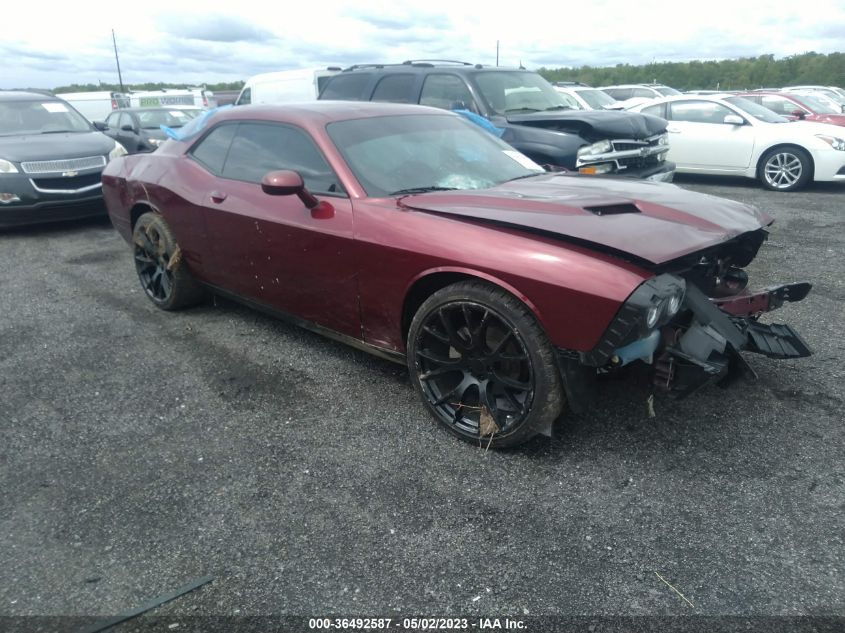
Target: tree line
230, 85
730, 74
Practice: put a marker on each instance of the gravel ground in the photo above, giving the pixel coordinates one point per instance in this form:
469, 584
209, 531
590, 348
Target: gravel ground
140, 450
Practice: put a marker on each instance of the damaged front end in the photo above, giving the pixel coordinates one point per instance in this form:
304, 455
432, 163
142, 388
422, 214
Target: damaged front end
691, 323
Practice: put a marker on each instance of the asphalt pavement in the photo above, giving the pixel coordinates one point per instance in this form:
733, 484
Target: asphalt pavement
140, 450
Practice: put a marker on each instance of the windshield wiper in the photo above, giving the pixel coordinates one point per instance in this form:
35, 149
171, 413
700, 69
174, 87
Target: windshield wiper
557, 107
401, 192
522, 110
58, 131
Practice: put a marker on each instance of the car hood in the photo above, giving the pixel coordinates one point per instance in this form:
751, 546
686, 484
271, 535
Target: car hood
54, 146
650, 221
595, 123
832, 119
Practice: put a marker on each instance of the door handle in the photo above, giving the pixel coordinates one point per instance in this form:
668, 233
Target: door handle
218, 196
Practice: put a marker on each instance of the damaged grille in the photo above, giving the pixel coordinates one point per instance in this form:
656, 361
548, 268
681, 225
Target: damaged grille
631, 154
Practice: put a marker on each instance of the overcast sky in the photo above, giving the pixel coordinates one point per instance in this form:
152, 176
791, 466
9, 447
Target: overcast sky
47, 45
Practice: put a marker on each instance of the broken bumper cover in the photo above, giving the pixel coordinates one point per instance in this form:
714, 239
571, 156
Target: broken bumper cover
709, 348
703, 344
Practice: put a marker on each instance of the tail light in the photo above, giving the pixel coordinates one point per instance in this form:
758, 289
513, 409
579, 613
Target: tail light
204, 101
114, 104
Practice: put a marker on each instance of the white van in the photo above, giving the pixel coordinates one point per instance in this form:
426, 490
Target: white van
196, 97
286, 86
95, 106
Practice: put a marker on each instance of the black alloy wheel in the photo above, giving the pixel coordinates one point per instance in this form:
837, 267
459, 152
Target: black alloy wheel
479, 361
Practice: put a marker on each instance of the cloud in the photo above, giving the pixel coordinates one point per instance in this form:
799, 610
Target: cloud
213, 28
409, 18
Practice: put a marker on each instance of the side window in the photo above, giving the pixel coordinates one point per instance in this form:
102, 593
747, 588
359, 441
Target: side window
112, 121
125, 119
656, 110
446, 91
396, 88
620, 94
781, 105
259, 148
347, 87
699, 112
211, 150
246, 97
645, 92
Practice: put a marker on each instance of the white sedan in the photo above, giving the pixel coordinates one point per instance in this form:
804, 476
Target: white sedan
729, 135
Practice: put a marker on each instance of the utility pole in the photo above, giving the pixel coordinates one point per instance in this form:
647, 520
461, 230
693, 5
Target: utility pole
117, 59
497, 52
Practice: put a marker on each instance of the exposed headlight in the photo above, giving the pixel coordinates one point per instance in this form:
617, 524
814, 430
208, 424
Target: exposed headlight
651, 316
663, 139
117, 151
155, 142
602, 147
674, 304
7, 168
833, 141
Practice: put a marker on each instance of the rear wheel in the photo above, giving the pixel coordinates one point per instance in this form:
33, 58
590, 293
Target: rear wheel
785, 168
164, 277
483, 366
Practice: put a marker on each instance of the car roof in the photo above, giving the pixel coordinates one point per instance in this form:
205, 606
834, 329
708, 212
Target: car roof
326, 111
422, 66
25, 95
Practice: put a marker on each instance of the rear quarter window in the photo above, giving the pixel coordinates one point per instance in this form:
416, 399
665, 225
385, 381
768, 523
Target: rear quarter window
212, 148
347, 87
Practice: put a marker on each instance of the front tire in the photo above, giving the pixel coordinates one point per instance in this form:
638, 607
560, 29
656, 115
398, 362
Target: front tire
785, 169
483, 365
165, 278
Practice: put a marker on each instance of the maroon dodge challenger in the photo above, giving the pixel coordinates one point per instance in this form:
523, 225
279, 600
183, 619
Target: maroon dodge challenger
413, 234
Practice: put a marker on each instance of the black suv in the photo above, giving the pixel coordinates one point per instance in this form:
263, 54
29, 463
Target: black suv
523, 109
51, 159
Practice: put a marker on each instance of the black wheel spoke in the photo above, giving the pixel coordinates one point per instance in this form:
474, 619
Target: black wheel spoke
440, 337
488, 401
456, 394
434, 358
454, 339
507, 381
518, 407
501, 344
480, 333
434, 373
142, 257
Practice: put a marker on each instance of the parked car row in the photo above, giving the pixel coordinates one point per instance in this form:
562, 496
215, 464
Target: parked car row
731, 135
96, 106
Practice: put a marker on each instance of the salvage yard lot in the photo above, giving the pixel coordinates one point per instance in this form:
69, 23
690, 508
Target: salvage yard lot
140, 450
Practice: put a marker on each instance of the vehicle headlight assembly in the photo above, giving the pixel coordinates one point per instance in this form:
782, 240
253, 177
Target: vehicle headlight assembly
7, 167
674, 303
596, 149
155, 142
651, 316
663, 139
833, 141
117, 151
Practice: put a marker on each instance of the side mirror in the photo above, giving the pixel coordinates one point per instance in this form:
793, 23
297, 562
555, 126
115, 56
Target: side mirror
799, 114
287, 183
127, 128
734, 119
101, 126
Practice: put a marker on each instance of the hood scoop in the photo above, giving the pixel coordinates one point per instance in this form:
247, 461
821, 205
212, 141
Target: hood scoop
612, 209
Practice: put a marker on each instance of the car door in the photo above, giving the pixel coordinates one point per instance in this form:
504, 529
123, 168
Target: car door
113, 126
700, 140
127, 132
273, 249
